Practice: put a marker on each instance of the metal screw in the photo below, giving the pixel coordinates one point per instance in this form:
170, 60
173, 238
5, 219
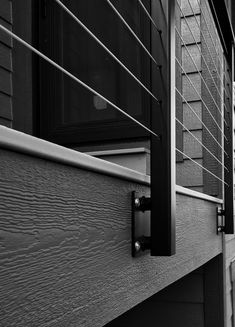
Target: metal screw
137, 246
137, 202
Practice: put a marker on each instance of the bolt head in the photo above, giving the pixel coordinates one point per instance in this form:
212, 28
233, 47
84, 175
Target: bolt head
137, 202
137, 246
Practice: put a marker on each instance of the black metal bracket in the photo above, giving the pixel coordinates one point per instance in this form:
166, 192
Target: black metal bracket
220, 214
142, 204
140, 240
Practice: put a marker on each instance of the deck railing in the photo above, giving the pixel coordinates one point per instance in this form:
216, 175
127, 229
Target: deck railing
206, 80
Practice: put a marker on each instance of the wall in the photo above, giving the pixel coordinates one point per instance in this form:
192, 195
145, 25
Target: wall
229, 252
193, 301
65, 234
6, 91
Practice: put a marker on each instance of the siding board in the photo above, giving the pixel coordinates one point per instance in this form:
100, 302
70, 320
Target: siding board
191, 146
189, 173
6, 65
188, 36
189, 92
190, 119
65, 245
5, 106
5, 82
4, 38
5, 122
5, 57
6, 10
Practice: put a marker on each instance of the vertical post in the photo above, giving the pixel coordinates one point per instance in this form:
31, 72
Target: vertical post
229, 148
163, 123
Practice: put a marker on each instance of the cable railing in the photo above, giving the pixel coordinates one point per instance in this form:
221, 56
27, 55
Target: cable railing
212, 158
162, 91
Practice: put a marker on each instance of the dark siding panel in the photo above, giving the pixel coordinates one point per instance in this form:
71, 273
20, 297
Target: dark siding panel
5, 81
230, 279
5, 57
22, 62
4, 38
163, 315
5, 10
5, 122
5, 106
6, 65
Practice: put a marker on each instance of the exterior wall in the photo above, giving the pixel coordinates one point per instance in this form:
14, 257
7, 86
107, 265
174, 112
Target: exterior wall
65, 245
229, 253
188, 174
194, 300
6, 65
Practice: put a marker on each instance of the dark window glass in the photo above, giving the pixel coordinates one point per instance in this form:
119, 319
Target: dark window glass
69, 112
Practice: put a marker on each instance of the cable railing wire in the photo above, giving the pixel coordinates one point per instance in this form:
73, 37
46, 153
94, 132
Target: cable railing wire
208, 29
179, 122
202, 78
203, 124
205, 169
149, 16
208, 69
133, 33
186, 75
105, 48
216, 69
207, 44
221, 81
76, 79
80, 82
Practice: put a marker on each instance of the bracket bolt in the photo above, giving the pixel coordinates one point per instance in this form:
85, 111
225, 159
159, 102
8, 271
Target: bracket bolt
137, 246
137, 202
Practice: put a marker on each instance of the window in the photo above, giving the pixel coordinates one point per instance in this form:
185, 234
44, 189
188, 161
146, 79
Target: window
70, 114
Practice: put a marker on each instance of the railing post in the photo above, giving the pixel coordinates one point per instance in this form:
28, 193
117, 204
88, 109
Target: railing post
163, 122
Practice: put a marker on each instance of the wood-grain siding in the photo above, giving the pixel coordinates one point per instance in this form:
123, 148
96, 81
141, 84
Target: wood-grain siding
229, 280
194, 300
65, 245
6, 89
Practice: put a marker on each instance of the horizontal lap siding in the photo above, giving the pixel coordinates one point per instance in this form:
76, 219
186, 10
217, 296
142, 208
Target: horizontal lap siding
6, 88
229, 279
65, 245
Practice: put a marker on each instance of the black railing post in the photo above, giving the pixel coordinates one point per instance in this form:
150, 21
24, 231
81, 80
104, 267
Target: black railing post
163, 123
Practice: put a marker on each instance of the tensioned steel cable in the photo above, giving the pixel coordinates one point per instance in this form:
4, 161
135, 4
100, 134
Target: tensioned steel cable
202, 78
195, 63
196, 163
212, 39
149, 16
208, 29
186, 75
94, 37
197, 71
202, 55
203, 124
209, 71
53, 63
216, 69
132, 32
179, 122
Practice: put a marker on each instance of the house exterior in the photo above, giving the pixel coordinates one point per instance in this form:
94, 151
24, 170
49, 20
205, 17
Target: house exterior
75, 145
